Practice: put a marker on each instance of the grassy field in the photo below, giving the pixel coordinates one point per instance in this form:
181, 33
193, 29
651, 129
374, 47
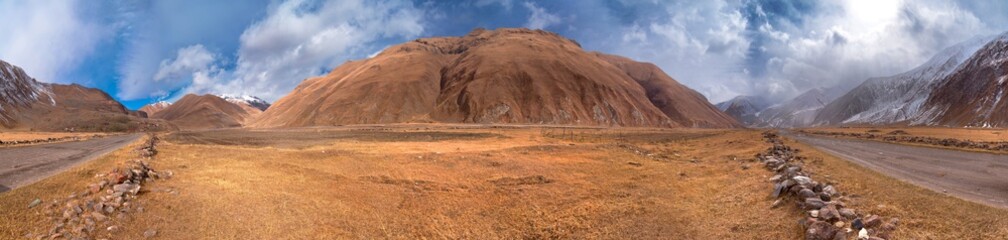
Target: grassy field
973, 134
488, 183
22, 136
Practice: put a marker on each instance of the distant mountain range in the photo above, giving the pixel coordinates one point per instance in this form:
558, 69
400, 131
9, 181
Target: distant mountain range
521, 76
961, 86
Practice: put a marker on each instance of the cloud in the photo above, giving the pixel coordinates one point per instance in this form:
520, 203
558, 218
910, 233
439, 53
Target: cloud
301, 39
49, 39
778, 49
192, 66
540, 18
292, 40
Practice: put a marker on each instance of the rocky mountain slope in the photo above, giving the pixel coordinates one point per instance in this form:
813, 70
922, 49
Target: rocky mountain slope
898, 98
975, 94
499, 76
205, 112
29, 104
745, 109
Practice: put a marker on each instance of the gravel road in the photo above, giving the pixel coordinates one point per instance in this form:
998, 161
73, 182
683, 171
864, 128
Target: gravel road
21, 166
978, 177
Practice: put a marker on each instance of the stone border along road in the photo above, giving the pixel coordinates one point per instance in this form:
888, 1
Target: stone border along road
974, 176
828, 217
91, 212
24, 165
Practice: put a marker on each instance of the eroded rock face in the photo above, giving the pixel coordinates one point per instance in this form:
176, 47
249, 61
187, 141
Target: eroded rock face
499, 76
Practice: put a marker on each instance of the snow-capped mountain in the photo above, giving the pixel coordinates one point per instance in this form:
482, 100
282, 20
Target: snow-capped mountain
800, 111
898, 98
151, 109
972, 96
18, 90
252, 101
745, 109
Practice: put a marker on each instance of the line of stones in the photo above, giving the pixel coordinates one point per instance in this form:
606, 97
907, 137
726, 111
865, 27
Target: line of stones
828, 217
96, 210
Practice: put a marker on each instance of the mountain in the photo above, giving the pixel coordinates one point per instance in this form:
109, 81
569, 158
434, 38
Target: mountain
18, 91
680, 103
499, 76
745, 109
246, 100
974, 94
32, 105
151, 109
205, 112
898, 98
800, 111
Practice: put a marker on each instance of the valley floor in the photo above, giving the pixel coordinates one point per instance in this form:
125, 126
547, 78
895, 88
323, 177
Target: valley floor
432, 181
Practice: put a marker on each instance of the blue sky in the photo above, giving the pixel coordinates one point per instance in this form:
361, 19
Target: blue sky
145, 51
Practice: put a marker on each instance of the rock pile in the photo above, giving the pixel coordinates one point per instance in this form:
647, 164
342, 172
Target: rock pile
900, 136
95, 210
828, 217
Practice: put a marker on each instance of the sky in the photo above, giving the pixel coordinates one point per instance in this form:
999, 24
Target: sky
146, 51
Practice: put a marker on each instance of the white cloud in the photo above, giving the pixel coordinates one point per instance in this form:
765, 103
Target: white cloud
294, 42
540, 18
49, 39
192, 66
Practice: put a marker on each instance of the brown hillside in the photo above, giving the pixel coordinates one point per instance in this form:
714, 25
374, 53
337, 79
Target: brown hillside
501, 76
678, 102
975, 95
204, 112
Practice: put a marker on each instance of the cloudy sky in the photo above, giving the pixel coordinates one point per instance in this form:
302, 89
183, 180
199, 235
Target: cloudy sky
144, 51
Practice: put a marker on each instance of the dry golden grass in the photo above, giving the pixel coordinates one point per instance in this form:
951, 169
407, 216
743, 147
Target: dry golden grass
923, 214
500, 184
20, 136
16, 219
974, 134
521, 186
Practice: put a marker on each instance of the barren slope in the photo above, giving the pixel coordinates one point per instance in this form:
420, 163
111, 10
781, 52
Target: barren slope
501, 76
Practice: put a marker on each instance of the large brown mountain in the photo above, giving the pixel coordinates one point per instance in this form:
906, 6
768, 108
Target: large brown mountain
28, 104
205, 112
975, 95
500, 76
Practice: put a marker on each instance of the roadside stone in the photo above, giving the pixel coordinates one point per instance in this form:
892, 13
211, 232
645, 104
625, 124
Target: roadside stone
820, 231
98, 216
776, 203
829, 213
872, 221
814, 203
814, 213
802, 180
150, 233
829, 189
34, 203
806, 193
848, 213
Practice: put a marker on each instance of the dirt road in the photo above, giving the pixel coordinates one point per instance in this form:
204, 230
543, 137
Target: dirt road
978, 177
20, 166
